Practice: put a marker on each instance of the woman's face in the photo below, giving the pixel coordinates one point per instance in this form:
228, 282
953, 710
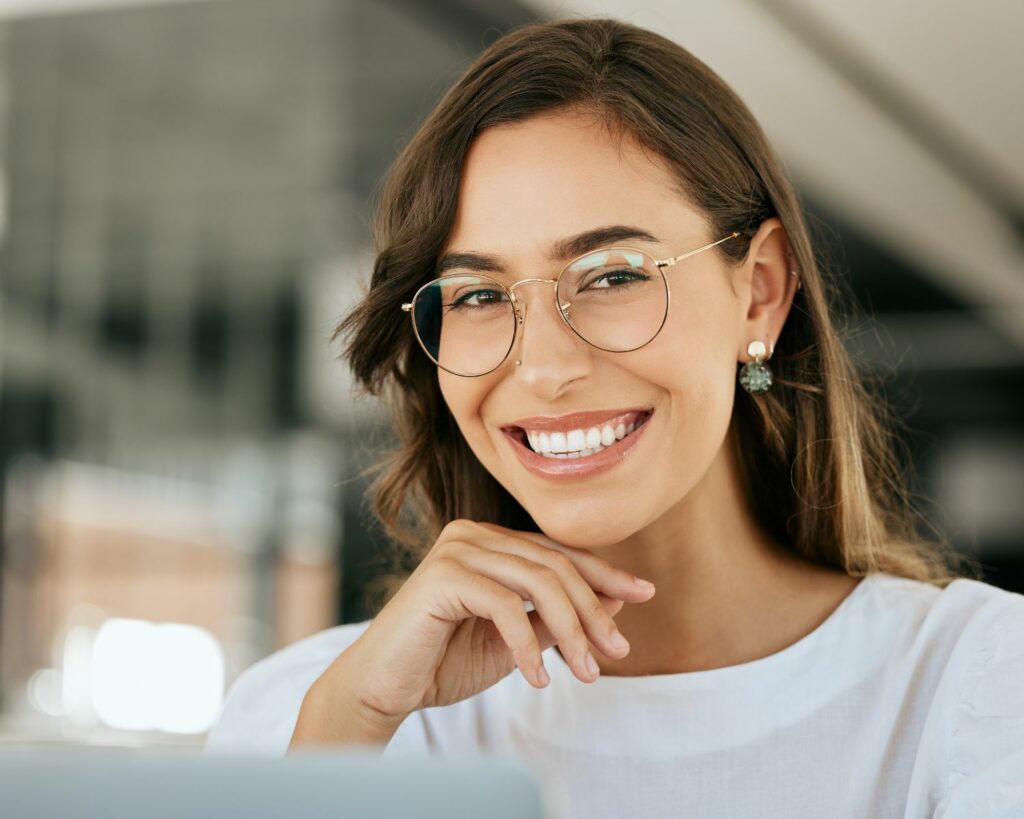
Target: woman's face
525, 187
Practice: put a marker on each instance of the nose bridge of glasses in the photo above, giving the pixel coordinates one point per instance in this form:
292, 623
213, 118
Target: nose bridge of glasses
512, 288
520, 305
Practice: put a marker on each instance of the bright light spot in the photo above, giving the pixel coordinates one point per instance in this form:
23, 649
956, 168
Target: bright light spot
167, 676
76, 691
45, 692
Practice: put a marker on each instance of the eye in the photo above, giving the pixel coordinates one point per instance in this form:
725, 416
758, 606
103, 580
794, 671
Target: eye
485, 298
623, 276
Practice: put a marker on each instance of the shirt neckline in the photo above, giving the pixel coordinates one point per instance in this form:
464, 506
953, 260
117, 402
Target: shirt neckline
730, 673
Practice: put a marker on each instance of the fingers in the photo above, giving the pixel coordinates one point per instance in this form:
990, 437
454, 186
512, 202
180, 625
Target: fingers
480, 596
575, 592
564, 600
598, 572
544, 587
612, 605
583, 574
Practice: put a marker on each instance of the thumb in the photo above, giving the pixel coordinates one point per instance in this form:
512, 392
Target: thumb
612, 605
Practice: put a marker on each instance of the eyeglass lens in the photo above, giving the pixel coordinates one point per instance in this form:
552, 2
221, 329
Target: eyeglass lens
614, 299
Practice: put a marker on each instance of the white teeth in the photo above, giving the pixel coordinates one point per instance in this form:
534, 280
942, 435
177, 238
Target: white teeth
558, 442
577, 443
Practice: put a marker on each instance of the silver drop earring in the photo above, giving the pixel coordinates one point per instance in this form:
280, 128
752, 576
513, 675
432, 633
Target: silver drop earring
755, 376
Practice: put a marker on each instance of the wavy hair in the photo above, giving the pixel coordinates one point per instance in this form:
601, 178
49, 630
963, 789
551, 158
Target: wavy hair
822, 465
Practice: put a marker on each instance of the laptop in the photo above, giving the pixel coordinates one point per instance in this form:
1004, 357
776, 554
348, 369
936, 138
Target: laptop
103, 783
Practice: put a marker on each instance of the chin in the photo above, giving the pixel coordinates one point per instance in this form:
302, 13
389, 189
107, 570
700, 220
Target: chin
588, 532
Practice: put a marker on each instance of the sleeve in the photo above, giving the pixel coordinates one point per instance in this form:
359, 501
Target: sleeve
262, 706
986, 741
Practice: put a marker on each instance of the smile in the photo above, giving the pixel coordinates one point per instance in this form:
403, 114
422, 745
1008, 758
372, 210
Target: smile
578, 452
582, 443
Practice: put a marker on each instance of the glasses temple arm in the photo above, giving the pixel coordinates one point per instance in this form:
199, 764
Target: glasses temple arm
674, 259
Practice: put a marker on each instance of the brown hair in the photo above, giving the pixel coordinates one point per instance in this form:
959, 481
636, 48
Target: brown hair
819, 458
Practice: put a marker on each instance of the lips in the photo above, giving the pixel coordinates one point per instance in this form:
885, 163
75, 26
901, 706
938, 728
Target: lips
573, 420
629, 421
571, 469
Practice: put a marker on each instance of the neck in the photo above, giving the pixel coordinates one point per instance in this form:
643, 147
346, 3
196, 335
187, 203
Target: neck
727, 593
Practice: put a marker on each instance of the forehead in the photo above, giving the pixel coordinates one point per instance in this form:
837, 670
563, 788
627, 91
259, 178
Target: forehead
528, 184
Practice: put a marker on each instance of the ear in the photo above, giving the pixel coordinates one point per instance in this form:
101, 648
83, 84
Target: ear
769, 287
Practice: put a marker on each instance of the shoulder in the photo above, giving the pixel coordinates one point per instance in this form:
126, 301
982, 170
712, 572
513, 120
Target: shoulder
262, 705
993, 683
964, 611
986, 738
972, 634
955, 630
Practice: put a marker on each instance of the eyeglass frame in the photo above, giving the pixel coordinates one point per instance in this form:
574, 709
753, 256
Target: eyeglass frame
519, 317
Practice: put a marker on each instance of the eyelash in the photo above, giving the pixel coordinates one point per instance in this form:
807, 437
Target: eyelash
461, 304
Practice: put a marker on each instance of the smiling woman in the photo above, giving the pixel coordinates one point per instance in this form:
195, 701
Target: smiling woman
572, 126
575, 252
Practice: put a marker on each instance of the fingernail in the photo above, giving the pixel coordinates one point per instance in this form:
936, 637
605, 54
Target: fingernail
542, 675
591, 664
617, 640
643, 584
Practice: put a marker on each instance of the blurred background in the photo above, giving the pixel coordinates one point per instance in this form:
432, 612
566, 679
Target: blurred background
184, 196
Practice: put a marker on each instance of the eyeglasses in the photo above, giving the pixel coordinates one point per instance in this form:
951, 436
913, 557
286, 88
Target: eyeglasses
615, 299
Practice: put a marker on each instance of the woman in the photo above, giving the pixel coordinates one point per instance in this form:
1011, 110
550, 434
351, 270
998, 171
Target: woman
576, 251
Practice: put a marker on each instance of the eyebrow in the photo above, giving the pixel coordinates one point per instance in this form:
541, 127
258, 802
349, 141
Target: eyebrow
563, 249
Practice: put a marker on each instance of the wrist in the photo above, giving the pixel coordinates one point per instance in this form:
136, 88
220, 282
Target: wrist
331, 716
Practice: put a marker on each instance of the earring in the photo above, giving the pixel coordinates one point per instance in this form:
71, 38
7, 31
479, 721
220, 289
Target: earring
794, 272
755, 376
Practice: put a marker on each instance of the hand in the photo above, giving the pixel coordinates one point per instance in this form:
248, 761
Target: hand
458, 624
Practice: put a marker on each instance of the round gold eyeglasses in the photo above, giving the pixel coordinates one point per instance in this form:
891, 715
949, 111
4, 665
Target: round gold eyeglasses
615, 299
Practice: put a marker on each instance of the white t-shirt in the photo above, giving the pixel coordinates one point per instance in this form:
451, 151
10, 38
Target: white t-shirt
907, 701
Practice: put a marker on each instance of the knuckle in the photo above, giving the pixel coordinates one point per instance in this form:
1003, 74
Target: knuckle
452, 548
526, 655
510, 601
527, 644
549, 577
561, 563
512, 561
596, 611
577, 633
456, 528
605, 567
444, 567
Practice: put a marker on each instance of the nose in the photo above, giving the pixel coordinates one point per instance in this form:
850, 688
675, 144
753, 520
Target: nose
551, 353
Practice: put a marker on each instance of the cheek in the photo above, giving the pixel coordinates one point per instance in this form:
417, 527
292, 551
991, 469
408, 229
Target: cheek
695, 370
694, 361
465, 399
698, 401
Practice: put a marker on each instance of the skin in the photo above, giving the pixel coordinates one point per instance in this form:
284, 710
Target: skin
673, 513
